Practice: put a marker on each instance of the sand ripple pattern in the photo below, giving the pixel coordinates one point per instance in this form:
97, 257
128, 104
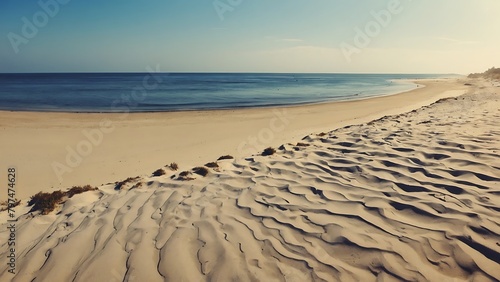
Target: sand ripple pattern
412, 197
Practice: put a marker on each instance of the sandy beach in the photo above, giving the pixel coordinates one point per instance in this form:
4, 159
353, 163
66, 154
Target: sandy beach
404, 187
288, 141
53, 151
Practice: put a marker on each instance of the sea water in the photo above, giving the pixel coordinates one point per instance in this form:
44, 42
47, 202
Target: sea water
143, 92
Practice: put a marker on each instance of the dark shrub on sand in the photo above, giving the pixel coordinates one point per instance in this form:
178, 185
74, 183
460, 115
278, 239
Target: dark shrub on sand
46, 202
269, 151
212, 165
203, 171
173, 166
78, 190
119, 185
226, 157
159, 172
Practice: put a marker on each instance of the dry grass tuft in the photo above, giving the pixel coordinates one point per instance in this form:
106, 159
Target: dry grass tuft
173, 166
78, 190
119, 185
212, 165
203, 171
300, 144
185, 176
159, 172
226, 157
137, 185
269, 151
46, 202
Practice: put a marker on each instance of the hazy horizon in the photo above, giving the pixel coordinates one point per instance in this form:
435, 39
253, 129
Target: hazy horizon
216, 72
380, 36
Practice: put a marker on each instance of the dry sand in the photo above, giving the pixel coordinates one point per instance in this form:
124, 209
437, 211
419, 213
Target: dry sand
406, 197
139, 143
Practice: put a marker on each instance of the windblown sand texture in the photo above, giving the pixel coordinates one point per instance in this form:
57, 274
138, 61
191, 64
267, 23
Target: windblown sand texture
409, 197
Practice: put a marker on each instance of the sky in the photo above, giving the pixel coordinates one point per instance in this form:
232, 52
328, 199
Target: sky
302, 36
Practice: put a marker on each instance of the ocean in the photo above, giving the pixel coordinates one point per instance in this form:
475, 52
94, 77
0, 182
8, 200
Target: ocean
143, 92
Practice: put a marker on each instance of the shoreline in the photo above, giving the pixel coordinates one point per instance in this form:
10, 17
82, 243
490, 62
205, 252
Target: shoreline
411, 82
420, 82
268, 106
142, 142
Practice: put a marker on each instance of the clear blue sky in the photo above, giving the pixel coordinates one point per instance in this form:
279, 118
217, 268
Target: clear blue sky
425, 36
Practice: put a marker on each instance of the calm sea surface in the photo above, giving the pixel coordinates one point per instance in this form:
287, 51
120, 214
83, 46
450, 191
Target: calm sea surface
142, 92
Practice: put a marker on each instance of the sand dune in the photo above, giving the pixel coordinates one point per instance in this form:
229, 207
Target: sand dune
408, 197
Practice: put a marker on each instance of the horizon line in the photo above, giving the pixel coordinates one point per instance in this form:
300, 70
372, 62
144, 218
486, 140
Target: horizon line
220, 72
